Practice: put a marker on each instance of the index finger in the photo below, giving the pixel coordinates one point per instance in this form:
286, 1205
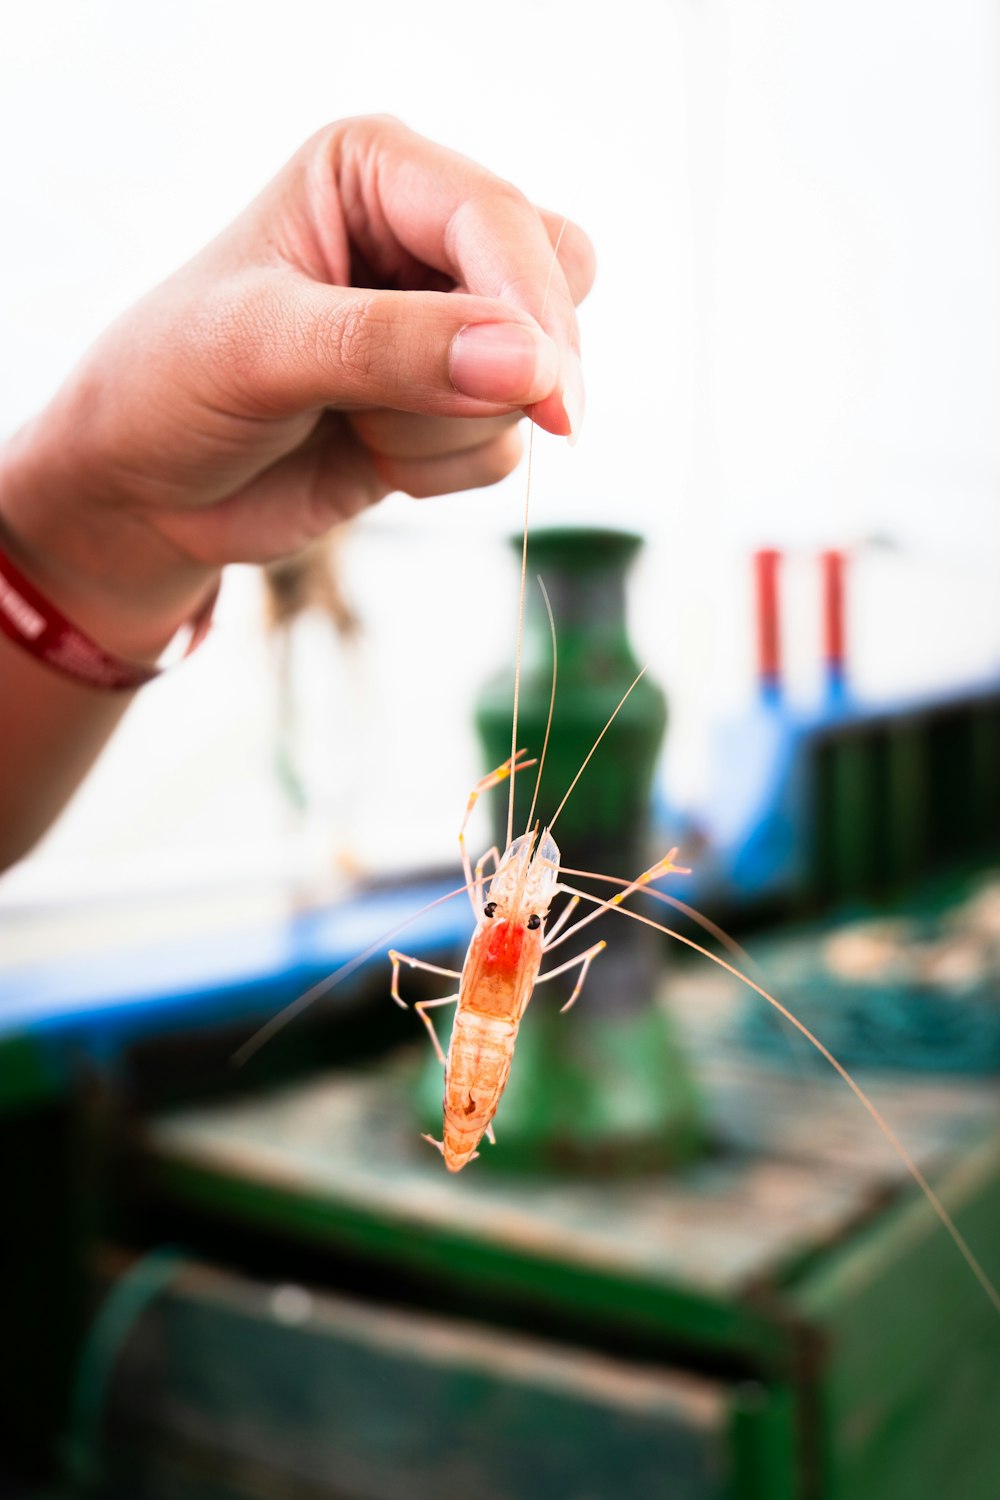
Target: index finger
476, 228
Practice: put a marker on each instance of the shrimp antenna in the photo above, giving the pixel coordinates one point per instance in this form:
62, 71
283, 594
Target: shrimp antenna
552, 701
735, 949
524, 560
590, 752
278, 1022
911, 1166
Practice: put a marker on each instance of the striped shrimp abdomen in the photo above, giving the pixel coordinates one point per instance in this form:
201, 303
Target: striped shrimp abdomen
478, 1064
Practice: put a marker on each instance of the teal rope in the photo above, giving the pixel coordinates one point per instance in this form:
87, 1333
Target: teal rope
115, 1321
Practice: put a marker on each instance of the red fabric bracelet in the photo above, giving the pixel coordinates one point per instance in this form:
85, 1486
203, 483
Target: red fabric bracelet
34, 623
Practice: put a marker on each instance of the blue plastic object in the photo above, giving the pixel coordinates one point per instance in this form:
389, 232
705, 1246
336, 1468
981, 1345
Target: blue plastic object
100, 1002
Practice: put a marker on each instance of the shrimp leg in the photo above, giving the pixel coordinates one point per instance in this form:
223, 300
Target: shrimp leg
585, 959
560, 921
421, 1008
396, 958
663, 866
484, 785
476, 891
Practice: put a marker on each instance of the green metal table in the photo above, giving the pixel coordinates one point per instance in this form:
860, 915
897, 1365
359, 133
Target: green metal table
782, 1320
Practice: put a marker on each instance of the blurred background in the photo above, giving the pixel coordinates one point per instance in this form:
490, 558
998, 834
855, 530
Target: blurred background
793, 347
792, 342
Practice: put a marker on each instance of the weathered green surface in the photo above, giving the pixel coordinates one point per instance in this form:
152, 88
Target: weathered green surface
313, 1391
763, 1442
531, 1263
908, 1404
788, 1260
340, 1160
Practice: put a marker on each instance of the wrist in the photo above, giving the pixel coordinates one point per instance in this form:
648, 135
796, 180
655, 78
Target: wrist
101, 563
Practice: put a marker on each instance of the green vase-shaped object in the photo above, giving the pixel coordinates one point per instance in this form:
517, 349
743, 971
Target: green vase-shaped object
603, 1086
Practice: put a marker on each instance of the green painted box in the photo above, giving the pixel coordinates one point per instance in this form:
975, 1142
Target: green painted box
782, 1320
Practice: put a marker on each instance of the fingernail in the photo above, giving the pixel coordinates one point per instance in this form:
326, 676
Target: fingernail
572, 394
508, 363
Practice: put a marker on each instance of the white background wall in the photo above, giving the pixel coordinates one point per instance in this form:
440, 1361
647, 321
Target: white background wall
794, 339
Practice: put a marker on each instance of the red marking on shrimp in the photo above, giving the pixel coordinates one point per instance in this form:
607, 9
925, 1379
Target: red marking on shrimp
503, 950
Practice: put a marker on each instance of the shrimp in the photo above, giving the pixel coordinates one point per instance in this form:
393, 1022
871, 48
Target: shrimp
500, 973
496, 983
507, 948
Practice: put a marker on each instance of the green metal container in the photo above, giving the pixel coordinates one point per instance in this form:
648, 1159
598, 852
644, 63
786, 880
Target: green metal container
603, 826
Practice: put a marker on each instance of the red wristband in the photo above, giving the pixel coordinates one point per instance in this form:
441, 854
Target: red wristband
35, 624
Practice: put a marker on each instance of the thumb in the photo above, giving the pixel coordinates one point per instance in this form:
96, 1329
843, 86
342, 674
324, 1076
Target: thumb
437, 353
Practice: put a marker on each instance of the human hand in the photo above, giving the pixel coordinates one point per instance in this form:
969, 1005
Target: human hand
373, 321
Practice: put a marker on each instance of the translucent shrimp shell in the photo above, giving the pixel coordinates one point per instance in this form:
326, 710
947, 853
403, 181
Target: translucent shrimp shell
527, 878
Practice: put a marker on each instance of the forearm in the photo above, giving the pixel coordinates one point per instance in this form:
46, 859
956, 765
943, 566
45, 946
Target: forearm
117, 584
51, 732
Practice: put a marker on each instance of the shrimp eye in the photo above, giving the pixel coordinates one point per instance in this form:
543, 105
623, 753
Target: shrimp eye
534, 921
489, 908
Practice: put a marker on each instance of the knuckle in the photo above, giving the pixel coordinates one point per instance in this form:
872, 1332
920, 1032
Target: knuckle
507, 194
372, 126
355, 130
353, 339
486, 203
345, 336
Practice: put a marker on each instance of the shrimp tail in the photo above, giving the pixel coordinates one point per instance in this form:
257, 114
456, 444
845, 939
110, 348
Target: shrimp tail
439, 1145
